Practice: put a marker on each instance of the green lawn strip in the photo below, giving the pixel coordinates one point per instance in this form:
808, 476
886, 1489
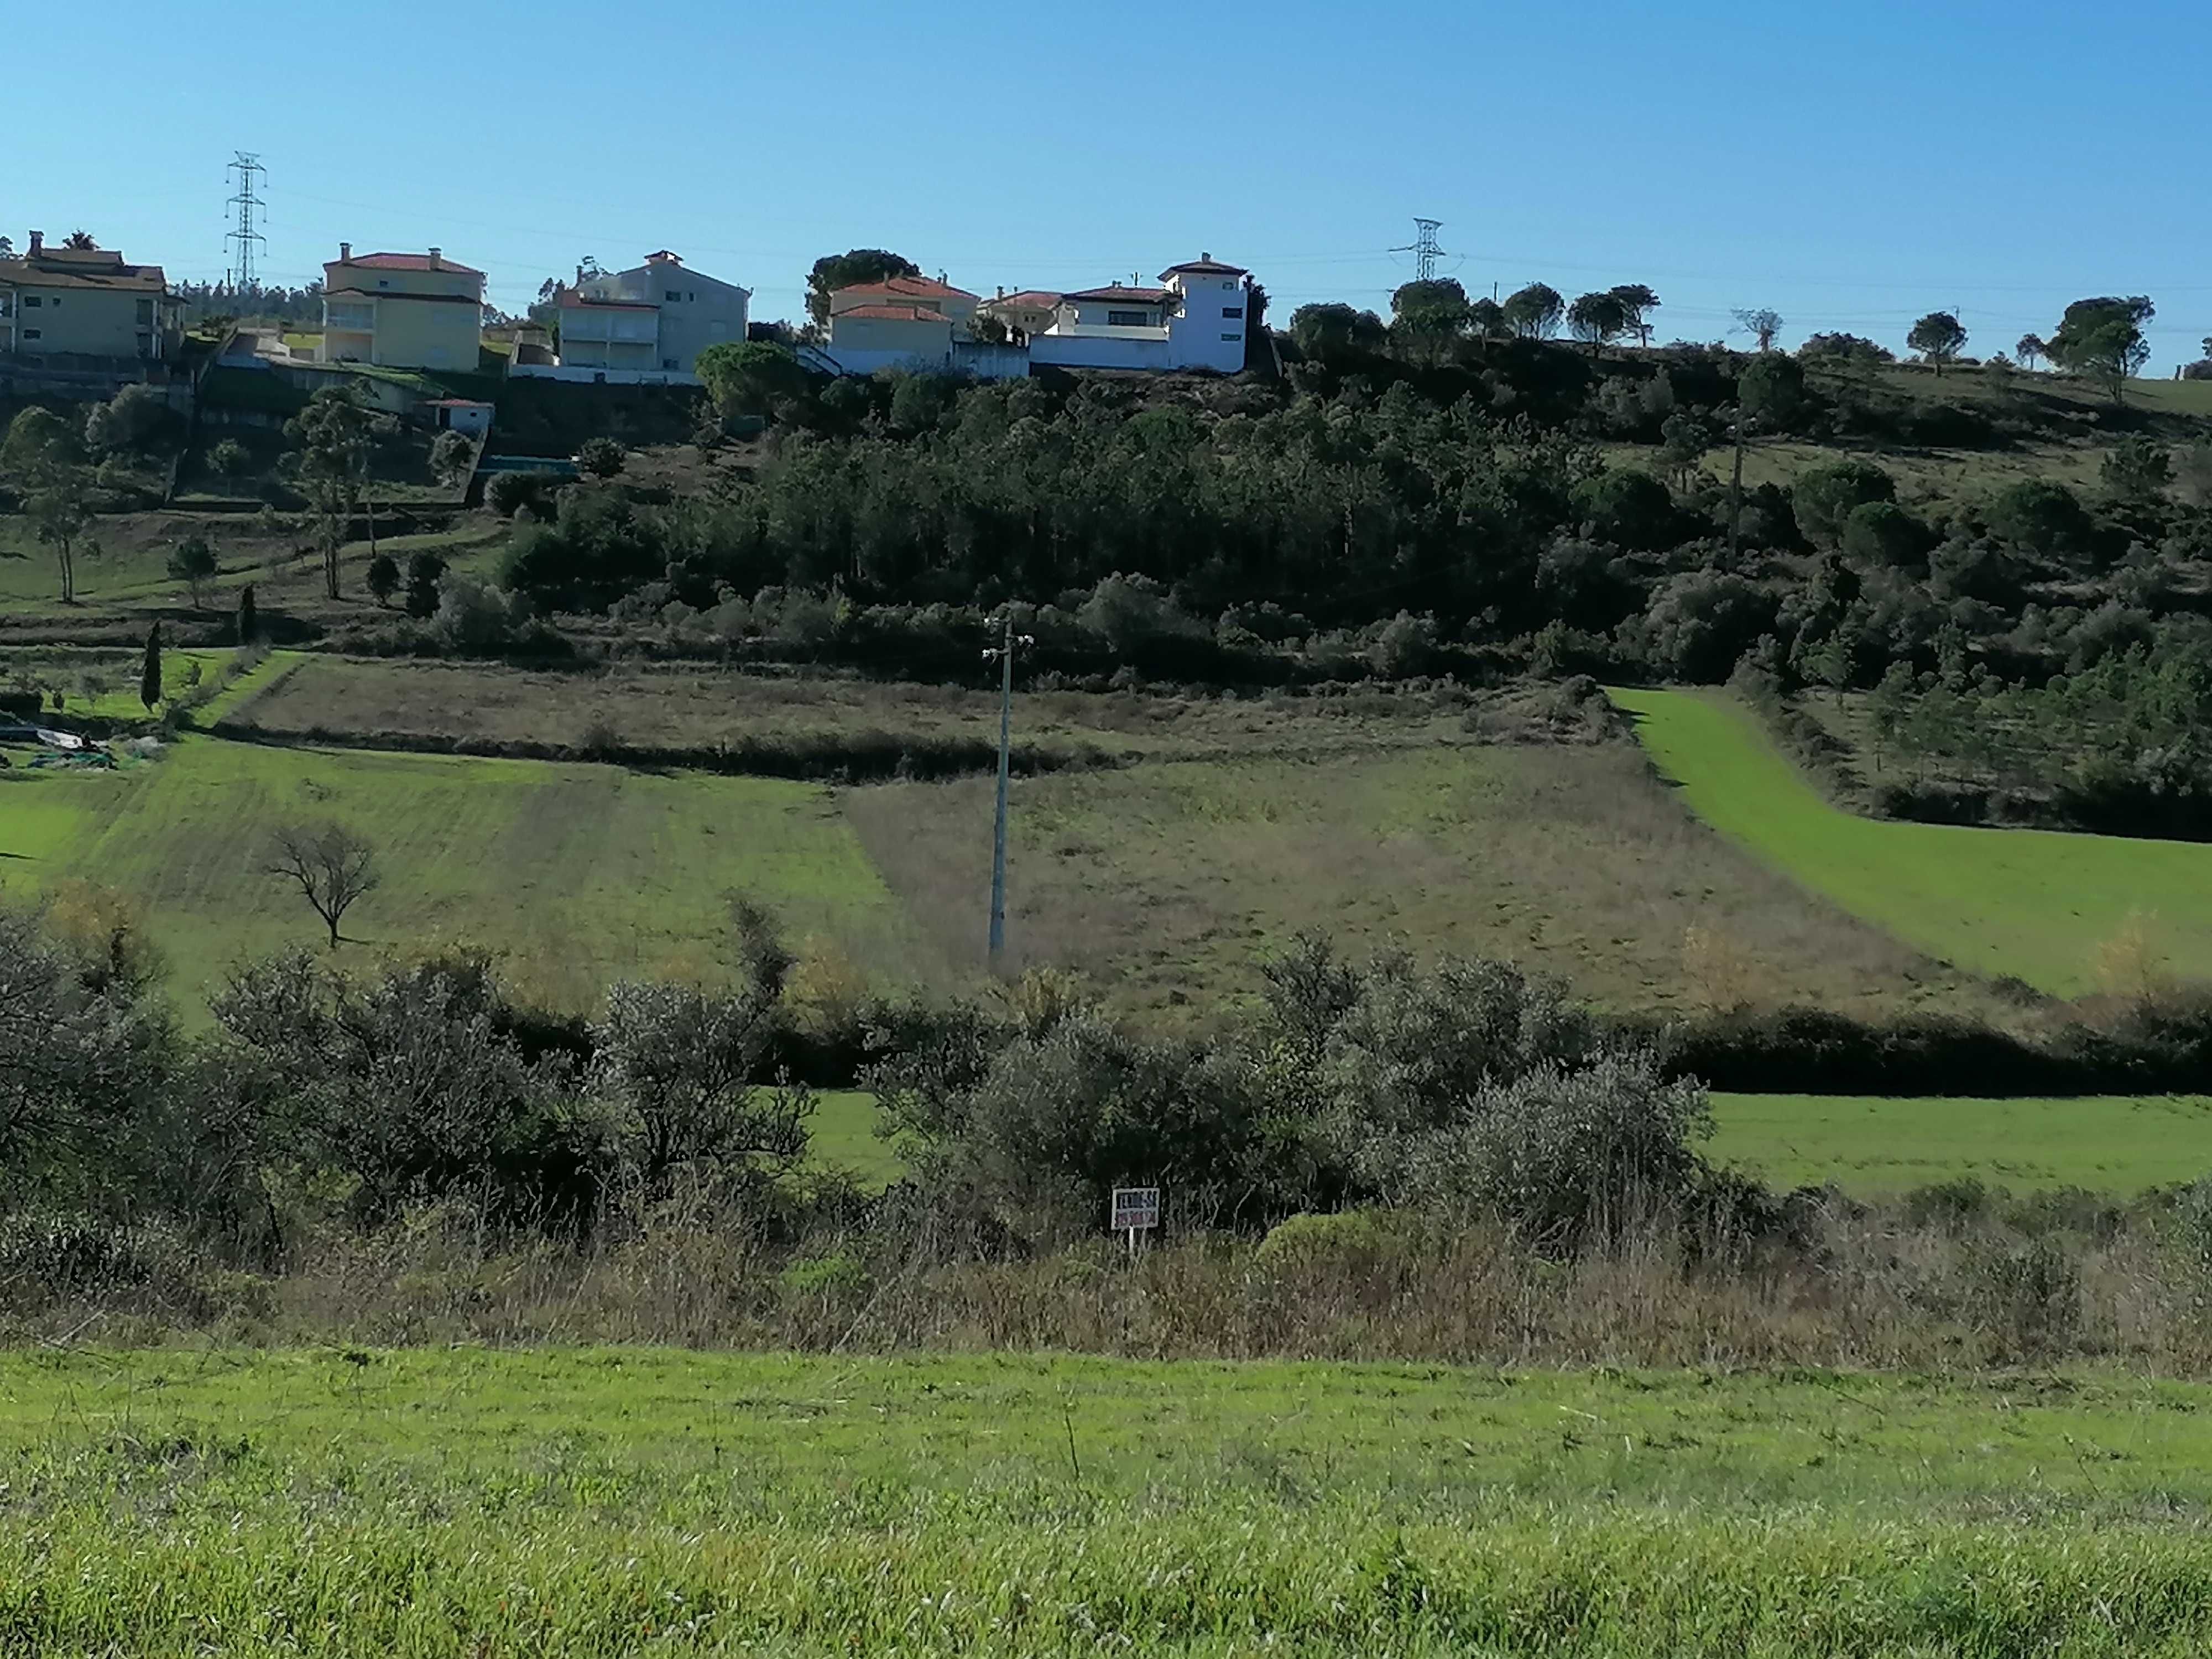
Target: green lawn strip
1869, 1146
2031, 904
577, 874
605, 1501
842, 1135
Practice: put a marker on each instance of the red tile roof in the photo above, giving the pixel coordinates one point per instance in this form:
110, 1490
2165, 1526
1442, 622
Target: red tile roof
1144, 296
407, 262
571, 298
386, 294
895, 314
1206, 267
49, 269
1030, 299
909, 287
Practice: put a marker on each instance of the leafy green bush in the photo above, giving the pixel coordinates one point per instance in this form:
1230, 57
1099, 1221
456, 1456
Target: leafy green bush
1563, 1155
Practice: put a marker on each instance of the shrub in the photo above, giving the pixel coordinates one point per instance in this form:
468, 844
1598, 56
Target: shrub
1628, 508
2045, 518
1562, 1155
1884, 533
451, 454
601, 457
1347, 1242
510, 493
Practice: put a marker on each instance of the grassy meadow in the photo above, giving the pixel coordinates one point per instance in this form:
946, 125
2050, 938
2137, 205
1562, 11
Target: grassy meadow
2037, 905
1873, 1146
575, 873
1389, 819
619, 1501
1868, 1146
127, 573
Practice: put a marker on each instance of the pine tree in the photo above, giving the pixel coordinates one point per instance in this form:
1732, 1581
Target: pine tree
150, 677
248, 626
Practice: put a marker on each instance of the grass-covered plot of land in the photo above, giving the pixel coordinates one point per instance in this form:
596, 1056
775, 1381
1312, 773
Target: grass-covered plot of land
575, 873
1871, 1146
628, 1501
2033, 904
1223, 826
1867, 1146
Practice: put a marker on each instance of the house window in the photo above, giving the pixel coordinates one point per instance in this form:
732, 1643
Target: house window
671, 295
1230, 312
668, 362
1231, 338
145, 313
145, 345
1228, 283
34, 333
1127, 319
384, 281
31, 302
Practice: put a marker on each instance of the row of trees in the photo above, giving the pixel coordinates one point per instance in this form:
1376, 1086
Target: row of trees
1470, 1088
2100, 339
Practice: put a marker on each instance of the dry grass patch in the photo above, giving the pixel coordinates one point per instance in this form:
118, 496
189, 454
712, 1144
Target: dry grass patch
1164, 883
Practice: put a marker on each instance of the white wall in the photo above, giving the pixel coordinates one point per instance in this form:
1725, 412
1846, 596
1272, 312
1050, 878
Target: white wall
1092, 351
578, 374
1200, 337
866, 360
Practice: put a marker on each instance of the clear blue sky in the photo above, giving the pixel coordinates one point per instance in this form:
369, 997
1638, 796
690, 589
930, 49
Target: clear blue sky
1852, 164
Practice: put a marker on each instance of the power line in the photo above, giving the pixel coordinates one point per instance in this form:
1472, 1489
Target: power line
248, 168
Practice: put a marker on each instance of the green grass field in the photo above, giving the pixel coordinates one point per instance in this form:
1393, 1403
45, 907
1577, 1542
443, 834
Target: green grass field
2034, 904
482, 1503
1869, 1147
577, 874
842, 1135
104, 684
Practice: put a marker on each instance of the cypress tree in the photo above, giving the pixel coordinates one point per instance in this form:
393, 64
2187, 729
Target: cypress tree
247, 627
150, 677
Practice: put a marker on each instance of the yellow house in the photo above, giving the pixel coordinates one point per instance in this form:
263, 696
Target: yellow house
85, 301
401, 310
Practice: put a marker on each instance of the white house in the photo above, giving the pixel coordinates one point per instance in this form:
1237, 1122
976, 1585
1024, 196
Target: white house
645, 325
1194, 319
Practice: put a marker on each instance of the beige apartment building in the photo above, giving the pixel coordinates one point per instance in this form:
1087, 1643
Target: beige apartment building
402, 310
86, 302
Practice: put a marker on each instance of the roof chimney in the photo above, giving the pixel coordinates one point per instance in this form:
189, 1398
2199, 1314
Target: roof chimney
38, 243
345, 253
1002, 290
433, 259
1205, 256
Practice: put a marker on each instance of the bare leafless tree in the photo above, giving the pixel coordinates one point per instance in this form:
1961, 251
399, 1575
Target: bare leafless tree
331, 865
1761, 324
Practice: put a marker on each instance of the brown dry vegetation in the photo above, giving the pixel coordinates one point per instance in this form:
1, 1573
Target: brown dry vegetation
645, 706
1905, 1287
1165, 883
